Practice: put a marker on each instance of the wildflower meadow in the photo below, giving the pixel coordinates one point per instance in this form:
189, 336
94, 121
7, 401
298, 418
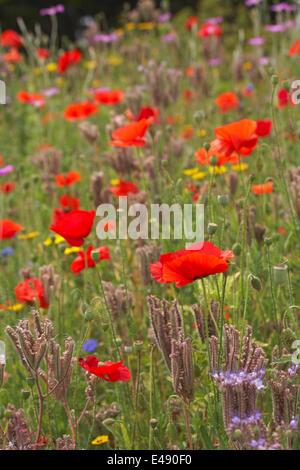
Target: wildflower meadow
149, 230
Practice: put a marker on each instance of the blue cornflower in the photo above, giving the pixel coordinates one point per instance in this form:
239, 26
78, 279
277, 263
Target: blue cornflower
90, 345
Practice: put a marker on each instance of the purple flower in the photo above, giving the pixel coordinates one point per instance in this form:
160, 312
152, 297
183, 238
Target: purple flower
171, 37
275, 28
164, 17
50, 91
6, 169
283, 7
90, 345
215, 20
251, 3
52, 10
106, 38
264, 60
215, 62
259, 41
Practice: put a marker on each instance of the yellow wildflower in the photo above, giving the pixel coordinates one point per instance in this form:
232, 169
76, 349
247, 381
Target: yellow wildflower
217, 170
190, 171
73, 249
130, 26
27, 236
146, 26
248, 65
114, 60
51, 67
115, 182
199, 175
241, 167
201, 133
90, 64
100, 440
58, 239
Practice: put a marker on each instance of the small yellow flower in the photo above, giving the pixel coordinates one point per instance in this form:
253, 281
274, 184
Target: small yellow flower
11, 67
73, 249
115, 182
201, 133
241, 167
248, 65
58, 239
38, 71
199, 175
217, 170
51, 67
48, 241
27, 236
190, 171
119, 31
146, 26
130, 26
90, 64
114, 60
15, 308
100, 440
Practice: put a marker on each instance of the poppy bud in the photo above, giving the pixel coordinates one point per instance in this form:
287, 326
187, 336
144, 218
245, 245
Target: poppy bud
25, 393
30, 381
280, 274
274, 80
256, 283
119, 341
108, 422
206, 146
288, 337
198, 116
169, 128
241, 203
8, 414
251, 178
89, 315
153, 423
237, 434
286, 85
138, 345
268, 241
212, 228
95, 255
214, 160
236, 249
223, 200
164, 163
128, 349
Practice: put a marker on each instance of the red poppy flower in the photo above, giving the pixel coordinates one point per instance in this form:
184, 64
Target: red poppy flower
84, 261
31, 98
8, 229
263, 127
78, 111
57, 214
30, 290
203, 157
68, 59
74, 226
186, 266
191, 22
9, 38
124, 188
43, 53
237, 137
266, 188
13, 56
109, 97
69, 202
7, 187
146, 112
109, 371
284, 98
131, 134
70, 178
207, 30
295, 48
226, 101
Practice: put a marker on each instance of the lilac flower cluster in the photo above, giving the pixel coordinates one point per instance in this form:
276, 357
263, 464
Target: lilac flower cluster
293, 371
51, 11
283, 7
240, 377
106, 38
252, 3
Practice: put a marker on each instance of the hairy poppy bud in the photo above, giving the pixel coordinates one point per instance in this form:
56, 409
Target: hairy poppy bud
206, 146
25, 393
89, 315
108, 422
8, 414
256, 283
223, 200
237, 249
198, 116
153, 423
268, 241
119, 341
95, 255
280, 274
138, 345
288, 337
274, 80
214, 160
212, 228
